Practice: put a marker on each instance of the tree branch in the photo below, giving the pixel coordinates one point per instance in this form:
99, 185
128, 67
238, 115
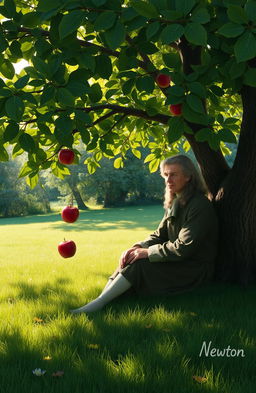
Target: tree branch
128, 111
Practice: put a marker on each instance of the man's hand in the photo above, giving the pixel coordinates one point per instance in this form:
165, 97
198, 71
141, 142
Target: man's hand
131, 255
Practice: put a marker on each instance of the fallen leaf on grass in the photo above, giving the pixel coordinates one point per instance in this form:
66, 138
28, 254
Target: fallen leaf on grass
93, 346
193, 314
199, 379
38, 372
148, 326
38, 320
47, 358
58, 374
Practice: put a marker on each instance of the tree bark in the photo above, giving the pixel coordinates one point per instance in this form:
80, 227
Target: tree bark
80, 203
236, 204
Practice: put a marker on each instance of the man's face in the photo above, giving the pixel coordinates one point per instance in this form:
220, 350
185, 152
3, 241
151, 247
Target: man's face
175, 180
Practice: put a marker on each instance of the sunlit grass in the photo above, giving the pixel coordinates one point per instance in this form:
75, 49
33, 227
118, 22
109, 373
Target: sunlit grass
135, 344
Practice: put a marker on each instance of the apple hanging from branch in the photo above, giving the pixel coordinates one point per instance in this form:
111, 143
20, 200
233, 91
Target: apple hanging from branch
67, 248
66, 156
163, 80
176, 110
70, 214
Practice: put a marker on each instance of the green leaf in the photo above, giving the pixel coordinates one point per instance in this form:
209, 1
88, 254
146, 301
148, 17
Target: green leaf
203, 135
70, 23
176, 91
40, 66
26, 169
47, 95
196, 34
184, 6
31, 19
85, 136
3, 43
127, 86
250, 10
195, 103
115, 36
87, 61
145, 83
10, 7
4, 156
237, 70
11, 132
154, 164
64, 124
250, 77
172, 60
200, 15
237, 14
14, 107
27, 143
171, 33
32, 180
7, 69
118, 163
175, 131
64, 138
64, 97
22, 82
192, 116
47, 5
103, 66
136, 153
110, 93
145, 9
226, 135
245, 47
95, 93
152, 29
15, 49
198, 89
105, 20
231, 30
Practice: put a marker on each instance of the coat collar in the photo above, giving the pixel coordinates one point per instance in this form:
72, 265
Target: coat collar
173, 211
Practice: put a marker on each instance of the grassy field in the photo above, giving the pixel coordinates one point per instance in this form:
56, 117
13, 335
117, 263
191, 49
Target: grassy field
140, 345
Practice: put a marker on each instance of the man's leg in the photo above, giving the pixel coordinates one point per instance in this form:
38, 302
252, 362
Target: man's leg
118, 286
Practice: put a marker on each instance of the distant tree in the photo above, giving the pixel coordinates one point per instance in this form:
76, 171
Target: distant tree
115, 187
16, 197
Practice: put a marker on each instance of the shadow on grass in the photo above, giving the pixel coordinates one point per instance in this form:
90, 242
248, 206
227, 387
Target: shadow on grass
140, 345
147, 217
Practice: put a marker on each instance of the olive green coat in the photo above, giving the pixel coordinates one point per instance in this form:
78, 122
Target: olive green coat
181, 252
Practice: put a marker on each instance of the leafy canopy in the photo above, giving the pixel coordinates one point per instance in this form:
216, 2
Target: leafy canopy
91, 77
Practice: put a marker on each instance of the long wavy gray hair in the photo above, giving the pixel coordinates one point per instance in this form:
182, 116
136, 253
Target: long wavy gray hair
195, 184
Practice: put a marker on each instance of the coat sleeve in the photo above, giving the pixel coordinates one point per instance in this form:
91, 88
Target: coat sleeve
190, 237
158, 237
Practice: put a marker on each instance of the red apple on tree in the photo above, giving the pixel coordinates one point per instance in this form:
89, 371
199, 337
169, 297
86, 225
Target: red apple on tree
176, 110
66, 156
163, 80
67, 248
70, 214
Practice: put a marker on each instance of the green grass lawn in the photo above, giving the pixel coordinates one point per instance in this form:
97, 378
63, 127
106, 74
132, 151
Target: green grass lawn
140, 345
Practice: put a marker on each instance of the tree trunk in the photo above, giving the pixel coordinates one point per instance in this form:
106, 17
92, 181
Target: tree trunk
236, 204
80, 203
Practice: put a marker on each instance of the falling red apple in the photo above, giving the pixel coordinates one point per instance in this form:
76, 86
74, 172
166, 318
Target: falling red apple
70, 214
163, 80
67, 248
66, 156
176, 110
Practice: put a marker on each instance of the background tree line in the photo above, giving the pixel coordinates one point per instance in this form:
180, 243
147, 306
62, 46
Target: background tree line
108, 186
